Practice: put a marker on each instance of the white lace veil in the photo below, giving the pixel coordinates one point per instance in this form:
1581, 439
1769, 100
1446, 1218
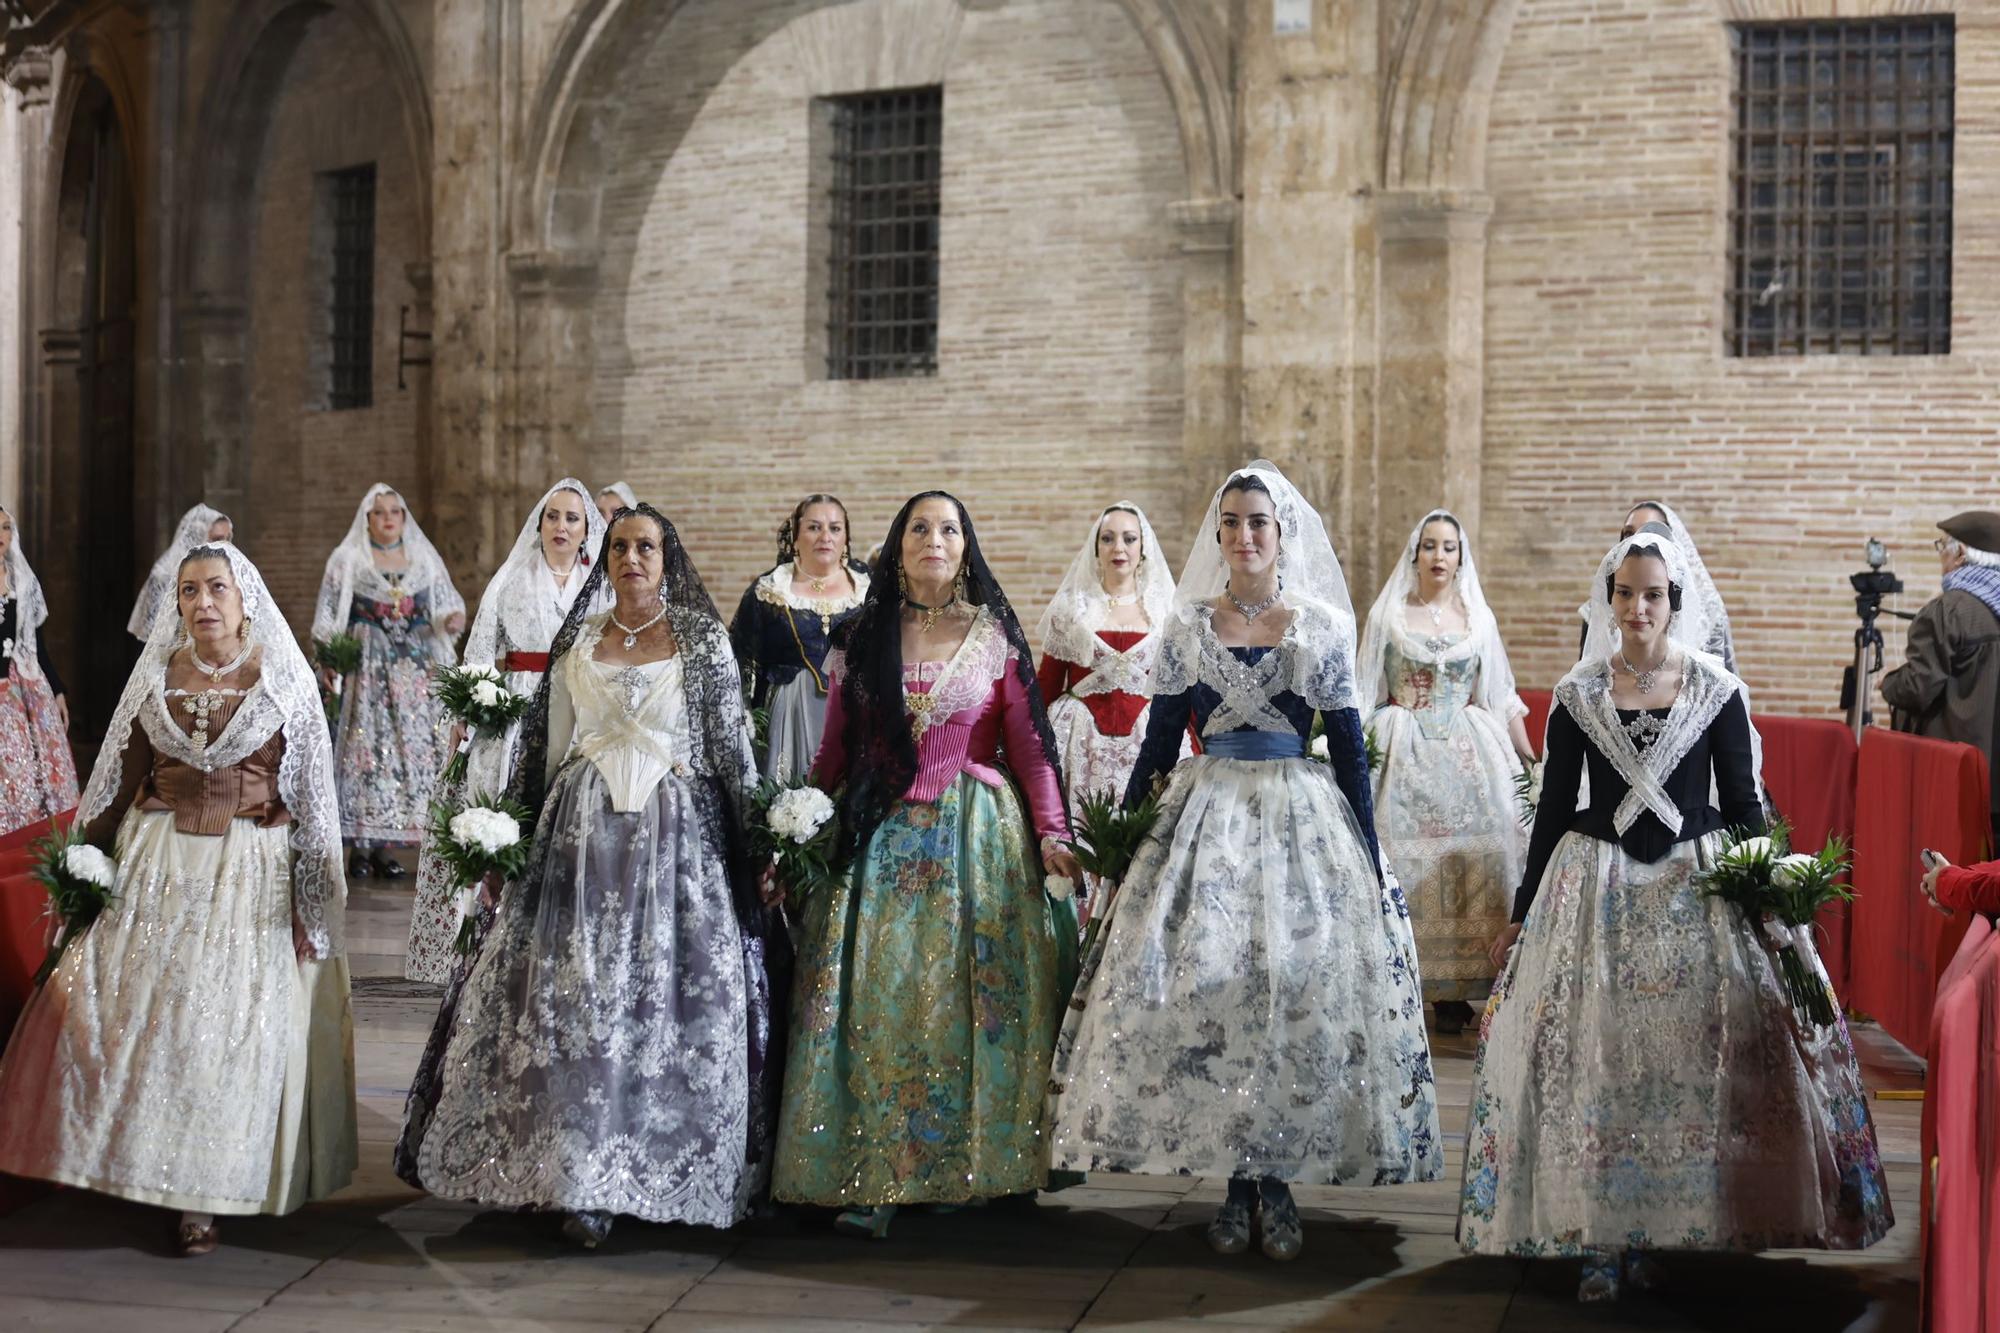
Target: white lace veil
427, 571
510, 599
1694, 577
190, 532
627, 497
285, 696
1320, 640
31, 607
1385, 621
1078, 609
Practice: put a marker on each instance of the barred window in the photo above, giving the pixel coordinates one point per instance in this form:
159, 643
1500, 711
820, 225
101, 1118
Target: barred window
350, 200
882, 296
1840, 206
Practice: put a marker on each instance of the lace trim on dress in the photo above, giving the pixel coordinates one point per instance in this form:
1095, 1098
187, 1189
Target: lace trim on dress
968, 676
778, 588
1585, 694
1313, 659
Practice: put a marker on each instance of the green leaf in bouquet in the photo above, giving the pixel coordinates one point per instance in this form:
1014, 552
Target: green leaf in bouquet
1527, 792
469, 862
340, 654
73, 900
457, 690
1108, 836
1373, 751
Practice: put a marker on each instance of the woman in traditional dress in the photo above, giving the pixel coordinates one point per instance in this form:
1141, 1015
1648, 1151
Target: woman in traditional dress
198, 526
1453, 739
1642, 1082
615, 497
1717, 640
1251, 1008
1100, 637
37, 772
931, 979
194, 1048
523, 607
387, 586
785, 624
603, 1052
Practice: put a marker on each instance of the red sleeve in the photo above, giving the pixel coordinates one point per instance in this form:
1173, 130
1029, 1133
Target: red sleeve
1971, 888
830, 764
1026, 758
1055, 676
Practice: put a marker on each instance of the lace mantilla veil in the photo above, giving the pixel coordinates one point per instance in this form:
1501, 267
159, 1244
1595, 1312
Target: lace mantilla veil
508, 601
1321, 636
1496, 678
190, 532
31, 607
1078, 609
336, 590
1715, 636
286, 696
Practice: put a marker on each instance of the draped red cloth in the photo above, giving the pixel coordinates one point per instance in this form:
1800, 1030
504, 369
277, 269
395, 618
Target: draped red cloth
1810, 767
22, 932
1910, 793
1961, 1198
527, 661
1537, 721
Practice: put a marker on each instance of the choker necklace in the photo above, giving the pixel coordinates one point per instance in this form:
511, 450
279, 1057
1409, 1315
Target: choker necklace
816, 581
216, 673
632, 635
1248, 611
1120, 598
928, 616
1642, 681
396, 545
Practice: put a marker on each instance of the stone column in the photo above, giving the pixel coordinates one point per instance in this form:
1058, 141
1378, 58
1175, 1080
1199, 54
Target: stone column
1432, 293
552, 373
168, 472
26, 379
1212, 352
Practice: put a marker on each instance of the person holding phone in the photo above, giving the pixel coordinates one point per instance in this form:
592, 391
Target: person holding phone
1953, 888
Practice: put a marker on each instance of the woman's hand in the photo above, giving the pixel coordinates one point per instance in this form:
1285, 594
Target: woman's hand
489, 888
454, 624
327, 679
1062, 861
1929, 886
62, 710
1503, 944
302, 948
457, 738
769, 891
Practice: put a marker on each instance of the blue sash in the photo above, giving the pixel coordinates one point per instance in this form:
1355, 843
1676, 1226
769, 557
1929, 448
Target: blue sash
1255, 745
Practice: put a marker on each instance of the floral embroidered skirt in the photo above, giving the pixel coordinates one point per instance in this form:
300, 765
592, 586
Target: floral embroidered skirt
1643, 1082
180, 1055
605, 1046
929, 986
1251, 1004
1447, 815
389, 745
37, 773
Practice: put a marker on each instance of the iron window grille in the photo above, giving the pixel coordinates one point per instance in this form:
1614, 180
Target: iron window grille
352, 309
882, 296
1840, 187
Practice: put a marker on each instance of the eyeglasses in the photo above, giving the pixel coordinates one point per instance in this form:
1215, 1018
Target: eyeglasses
1939, 544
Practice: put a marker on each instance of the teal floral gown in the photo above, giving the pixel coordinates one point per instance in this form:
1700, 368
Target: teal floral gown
930, 982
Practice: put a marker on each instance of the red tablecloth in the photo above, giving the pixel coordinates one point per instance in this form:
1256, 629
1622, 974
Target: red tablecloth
1809, 769
1910, 793
1961, 1203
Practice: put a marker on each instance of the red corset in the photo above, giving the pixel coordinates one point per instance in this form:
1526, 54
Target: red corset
1115, 713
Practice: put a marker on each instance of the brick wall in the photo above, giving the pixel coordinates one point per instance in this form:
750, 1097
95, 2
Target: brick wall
309, 466
1059, 388
1605, 380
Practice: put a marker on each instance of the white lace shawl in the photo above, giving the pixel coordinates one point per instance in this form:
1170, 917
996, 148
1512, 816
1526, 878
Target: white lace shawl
190, 532
1706, 688
352, 562
1068, 629
1314, 659
779, 587
285, 696
521, 609
1387, 624
31, 606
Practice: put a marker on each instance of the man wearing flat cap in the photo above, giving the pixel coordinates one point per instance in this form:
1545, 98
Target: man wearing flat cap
1948, 687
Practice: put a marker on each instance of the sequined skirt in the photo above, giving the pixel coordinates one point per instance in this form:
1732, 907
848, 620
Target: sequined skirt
390, 744
180, 1055
1251, 1004
1643, 1082
605, 1047
929, 986
37, 773
1447, 816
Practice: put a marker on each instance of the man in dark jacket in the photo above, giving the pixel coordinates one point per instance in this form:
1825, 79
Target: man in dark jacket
1948, 687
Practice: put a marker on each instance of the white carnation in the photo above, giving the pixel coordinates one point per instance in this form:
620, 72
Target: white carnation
491, 831
489, 693
1319, 747
1750, 849
483, 672
90, 865
1058, 887
799, 814
1790, 868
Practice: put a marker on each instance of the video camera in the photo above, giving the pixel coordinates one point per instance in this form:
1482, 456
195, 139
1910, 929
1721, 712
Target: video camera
1871, 585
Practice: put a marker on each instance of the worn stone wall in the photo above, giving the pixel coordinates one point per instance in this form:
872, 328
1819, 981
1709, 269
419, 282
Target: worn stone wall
1059, 387
1605, 375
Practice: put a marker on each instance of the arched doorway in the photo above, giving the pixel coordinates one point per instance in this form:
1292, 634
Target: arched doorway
83, 513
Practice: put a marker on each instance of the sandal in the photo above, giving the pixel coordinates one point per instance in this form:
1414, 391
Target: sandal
193, 1239
868, 1223
588, 1229
388, 867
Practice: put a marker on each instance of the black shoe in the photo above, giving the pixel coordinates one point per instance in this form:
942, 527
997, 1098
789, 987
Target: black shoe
358, 867
1452, 1016
387, 867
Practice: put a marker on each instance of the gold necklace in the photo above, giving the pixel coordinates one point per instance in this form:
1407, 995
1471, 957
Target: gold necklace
928, 616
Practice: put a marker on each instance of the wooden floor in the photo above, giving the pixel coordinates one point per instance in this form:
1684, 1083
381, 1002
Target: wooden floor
1121, 1252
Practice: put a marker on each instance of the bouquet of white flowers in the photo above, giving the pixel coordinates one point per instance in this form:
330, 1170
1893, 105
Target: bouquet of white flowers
478, 838
1528, 792
478, 697
79, 879
1760, 877
796, 827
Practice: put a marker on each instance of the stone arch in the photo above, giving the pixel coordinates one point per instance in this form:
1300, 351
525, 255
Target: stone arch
1437, 93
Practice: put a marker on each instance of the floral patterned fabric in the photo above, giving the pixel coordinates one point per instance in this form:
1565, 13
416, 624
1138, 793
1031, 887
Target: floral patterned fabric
389, 745
929, 985
1446, 811
1642, 1081
37, 773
